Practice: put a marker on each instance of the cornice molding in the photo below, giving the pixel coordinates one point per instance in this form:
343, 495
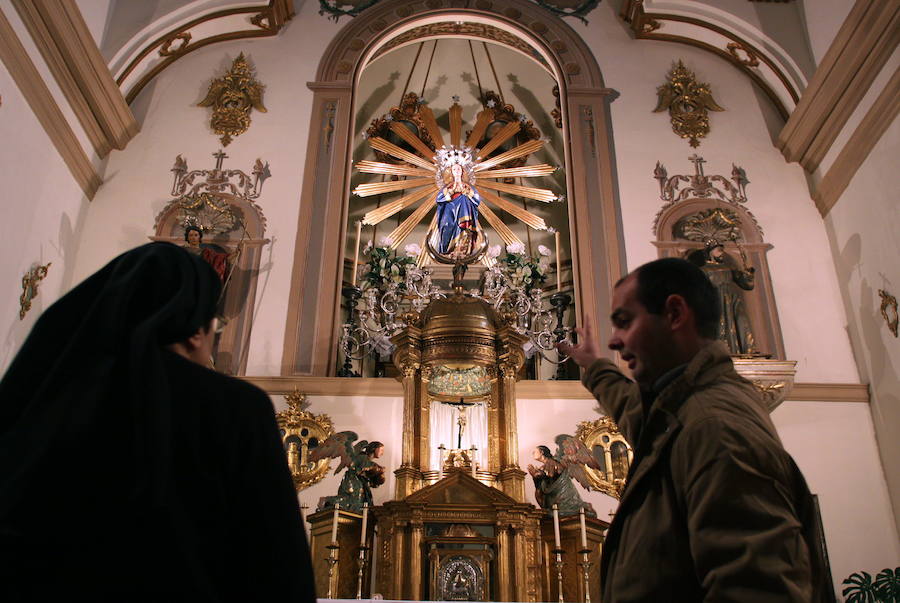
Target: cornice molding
525, 390
69, 49
859, 51
757, 56
42, 103
867, 134
146, 61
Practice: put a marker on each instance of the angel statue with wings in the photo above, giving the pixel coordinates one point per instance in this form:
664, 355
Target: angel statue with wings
363, 473
553, 481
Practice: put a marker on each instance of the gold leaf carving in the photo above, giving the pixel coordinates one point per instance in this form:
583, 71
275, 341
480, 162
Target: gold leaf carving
688, 102
232, 97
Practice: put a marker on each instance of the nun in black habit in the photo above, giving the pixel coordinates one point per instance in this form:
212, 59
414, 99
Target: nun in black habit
128, 471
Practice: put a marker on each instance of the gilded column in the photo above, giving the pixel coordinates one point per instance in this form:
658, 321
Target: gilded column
609, 468
415, 557
506, 561
407, 472
424, 418
512, 478
494, 435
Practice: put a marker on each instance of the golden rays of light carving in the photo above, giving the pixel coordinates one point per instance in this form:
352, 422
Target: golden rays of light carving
425, 170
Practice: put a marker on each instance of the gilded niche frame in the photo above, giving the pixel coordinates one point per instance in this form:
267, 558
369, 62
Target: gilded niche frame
300, 432
605, 434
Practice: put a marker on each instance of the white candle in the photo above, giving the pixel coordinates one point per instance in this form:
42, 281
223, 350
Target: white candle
472, 452
556, 525
334, 524
356, 253
362, 535
558, 280
583, 530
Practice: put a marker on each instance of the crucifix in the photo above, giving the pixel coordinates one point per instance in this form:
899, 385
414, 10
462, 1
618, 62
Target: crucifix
461, 406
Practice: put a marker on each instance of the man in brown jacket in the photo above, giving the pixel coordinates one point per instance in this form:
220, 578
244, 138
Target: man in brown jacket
714, 508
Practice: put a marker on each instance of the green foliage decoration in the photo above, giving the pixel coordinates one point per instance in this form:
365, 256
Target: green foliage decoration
861, 588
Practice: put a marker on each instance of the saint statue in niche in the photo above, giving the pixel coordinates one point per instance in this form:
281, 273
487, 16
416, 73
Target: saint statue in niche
457, 234
214, 255
730, 280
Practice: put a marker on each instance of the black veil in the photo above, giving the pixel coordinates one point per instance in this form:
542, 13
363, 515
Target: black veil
98, 352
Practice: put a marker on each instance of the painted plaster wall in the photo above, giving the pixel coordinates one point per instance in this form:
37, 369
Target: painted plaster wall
831, 442
138, 179
68, 113
802, 273
823, 20
40, 218
864, 231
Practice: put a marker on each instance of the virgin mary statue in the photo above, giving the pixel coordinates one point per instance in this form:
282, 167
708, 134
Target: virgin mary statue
457, 206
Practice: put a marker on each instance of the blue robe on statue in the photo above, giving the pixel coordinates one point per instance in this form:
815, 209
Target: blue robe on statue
455, 215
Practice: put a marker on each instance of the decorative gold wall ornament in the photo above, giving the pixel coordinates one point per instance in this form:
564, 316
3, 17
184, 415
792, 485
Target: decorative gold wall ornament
889, 310
301, 432
232, 97
607, 444
750, 60
167, 51
688, 102
37, 273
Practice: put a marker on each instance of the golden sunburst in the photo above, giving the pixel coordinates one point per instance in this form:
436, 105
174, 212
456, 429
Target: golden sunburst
432, 179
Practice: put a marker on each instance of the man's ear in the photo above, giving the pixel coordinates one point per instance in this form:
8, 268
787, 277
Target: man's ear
196, 340
678, 312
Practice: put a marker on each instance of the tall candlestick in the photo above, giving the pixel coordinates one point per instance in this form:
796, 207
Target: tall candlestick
556, 525
334, 523
362, 535
356, 253
583, 529
558, 280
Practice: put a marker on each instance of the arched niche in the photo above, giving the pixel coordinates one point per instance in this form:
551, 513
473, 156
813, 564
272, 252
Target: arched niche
230, 352
310, 346
759, 302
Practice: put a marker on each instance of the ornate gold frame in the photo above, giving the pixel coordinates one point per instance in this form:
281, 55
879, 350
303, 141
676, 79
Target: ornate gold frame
889, 310
298, 424
32, 278
592, 434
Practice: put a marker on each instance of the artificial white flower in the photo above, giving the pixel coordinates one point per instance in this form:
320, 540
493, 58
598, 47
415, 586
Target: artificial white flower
493, 251
543, 250
367, 248
385, 242
516, 248
412, 250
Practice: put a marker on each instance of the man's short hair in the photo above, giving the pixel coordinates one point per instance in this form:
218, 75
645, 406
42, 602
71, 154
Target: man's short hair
659, 279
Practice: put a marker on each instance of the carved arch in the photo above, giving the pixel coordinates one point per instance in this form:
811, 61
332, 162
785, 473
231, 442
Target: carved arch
597, 247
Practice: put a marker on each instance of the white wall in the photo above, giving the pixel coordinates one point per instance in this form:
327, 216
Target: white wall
823, 20
41, 216
834, 446
864, 229
138, 179
806, 289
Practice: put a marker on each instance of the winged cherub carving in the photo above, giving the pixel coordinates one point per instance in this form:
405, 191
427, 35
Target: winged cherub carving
231, 98
688, 102
363, 473
553, 480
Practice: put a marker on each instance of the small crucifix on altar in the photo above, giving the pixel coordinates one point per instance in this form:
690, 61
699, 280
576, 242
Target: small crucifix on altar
461, 406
